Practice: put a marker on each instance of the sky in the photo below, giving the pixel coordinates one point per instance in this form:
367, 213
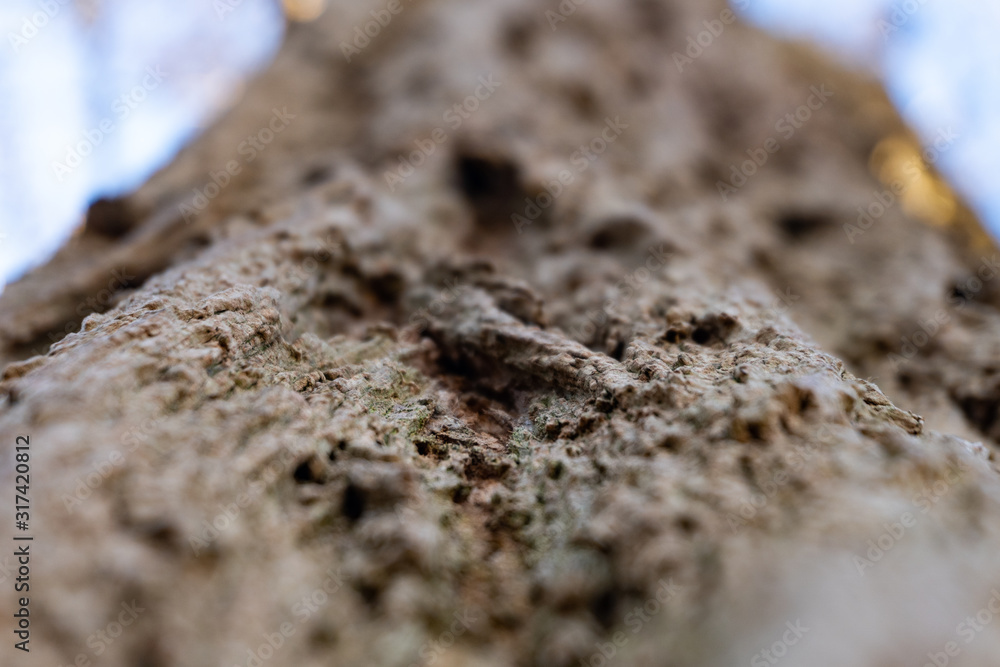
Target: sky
940, 62
95, 101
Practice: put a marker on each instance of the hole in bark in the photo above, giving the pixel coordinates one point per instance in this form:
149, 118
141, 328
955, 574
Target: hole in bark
200, 241
482, 178
132, 282
387, 286
621, 231
797, 225
517, 37
983, 412
713, 328
687, 524
583, 101
906, 379
959, 296
316, 175
336, 300
757, 430
461, 366
308, 472
882, 346
354, 502
369, 594
460, 494
492, 187
14, 395
672, 442
603, 608
160, 533
322, 637
111, 218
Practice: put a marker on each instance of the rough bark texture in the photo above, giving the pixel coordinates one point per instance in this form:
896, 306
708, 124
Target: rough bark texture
360, 412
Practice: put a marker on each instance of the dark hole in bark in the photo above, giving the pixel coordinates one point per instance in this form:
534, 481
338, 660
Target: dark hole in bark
316, 175
308, 472
687, 524
517, 37
797, 225
982, 411
354, 502
492, 187
112, 218
603, 608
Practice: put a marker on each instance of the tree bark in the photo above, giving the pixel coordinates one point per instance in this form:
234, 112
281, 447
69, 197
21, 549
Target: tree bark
445, 346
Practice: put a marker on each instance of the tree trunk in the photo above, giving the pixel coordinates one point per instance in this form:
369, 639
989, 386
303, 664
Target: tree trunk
516, 334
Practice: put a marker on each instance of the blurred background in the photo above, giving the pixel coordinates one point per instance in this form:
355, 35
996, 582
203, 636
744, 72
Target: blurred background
98, 94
